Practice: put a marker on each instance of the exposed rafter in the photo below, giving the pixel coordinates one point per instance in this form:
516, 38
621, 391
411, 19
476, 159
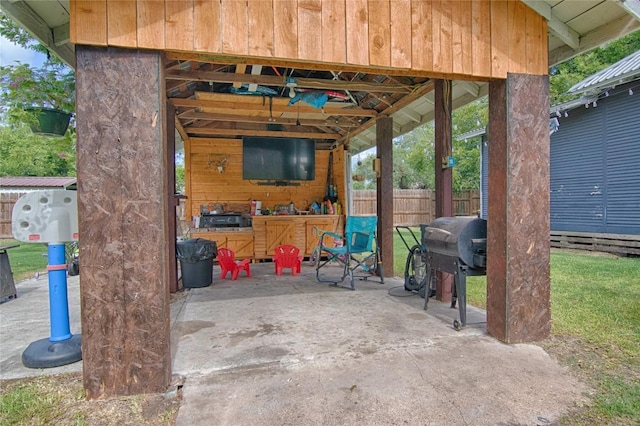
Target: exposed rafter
610, 31
305, 83
240, 106
23, 15
561, 30
210, 131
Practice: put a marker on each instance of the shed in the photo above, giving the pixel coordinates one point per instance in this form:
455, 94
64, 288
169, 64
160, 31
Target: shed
12, 188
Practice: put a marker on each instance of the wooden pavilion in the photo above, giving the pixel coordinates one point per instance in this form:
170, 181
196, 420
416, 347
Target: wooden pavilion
148, 68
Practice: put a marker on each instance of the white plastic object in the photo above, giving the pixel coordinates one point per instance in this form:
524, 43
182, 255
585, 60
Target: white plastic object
46, 216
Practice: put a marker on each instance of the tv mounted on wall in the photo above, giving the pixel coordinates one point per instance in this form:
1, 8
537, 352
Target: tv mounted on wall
278, 159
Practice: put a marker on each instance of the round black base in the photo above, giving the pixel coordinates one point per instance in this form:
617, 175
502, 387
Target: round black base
46, 354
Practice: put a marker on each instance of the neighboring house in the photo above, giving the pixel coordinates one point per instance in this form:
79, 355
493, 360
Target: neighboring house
595, 158
12, 188
595, 178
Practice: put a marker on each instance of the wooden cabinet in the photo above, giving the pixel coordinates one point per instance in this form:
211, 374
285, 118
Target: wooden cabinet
315, 226
269, 232
272, 231
241, 242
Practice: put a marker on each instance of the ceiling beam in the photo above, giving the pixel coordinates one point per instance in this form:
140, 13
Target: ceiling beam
205, 116
603, 34
472, 88
457, 103
24, 16
397, 107
210, 131
61, 34
246, 107
180, 130
631, 6
561, 30
304, 83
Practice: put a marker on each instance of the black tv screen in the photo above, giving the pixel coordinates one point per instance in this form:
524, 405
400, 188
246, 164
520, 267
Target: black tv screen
278, 158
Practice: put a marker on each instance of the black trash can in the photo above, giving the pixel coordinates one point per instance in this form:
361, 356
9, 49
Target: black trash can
196, 261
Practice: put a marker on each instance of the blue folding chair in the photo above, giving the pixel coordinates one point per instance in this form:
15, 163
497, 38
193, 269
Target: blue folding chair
358, 256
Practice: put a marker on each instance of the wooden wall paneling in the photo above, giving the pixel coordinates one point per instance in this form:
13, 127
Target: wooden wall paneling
150, 21
499, 38
285, 40
89, 22
209, 186
457, 30
206, 25
334, 32
461, 20
178, 24
536, 41
339, 158
233, 18
517, 36
121, 23
73, 33
379, 33
187, 178
261, 23
310, 22
421, 37
481, 38
442, 36
400, 33
357, 19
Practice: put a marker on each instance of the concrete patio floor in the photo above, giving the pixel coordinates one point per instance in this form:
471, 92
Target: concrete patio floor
287, 350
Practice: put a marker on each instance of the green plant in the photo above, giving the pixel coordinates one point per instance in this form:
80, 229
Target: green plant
25, 88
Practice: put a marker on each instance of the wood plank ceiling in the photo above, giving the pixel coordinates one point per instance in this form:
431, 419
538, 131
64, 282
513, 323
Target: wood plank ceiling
228, 100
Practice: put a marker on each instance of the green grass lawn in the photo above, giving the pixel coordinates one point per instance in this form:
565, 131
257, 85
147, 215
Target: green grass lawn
27, 259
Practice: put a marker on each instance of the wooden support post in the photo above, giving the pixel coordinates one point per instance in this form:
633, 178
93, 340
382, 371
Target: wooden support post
518, 277
123, 205
174, 201
443, 178
384, 143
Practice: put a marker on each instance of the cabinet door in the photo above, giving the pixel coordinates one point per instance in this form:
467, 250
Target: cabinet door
314, 227
241, 244
278, 233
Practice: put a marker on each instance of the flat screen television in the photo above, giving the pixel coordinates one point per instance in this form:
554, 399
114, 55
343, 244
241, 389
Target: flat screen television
278, 159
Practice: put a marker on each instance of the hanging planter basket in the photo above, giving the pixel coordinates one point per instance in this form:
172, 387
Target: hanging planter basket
51, 122
358, 178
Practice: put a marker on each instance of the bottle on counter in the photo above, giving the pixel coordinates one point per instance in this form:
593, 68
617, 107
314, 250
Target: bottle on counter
292, 208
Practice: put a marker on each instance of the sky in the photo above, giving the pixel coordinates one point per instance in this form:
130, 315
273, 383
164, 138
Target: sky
9, 53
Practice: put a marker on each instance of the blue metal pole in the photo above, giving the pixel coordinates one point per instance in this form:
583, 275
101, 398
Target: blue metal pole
58, 302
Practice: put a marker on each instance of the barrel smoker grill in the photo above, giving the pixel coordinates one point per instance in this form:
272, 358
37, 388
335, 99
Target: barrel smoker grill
456, 245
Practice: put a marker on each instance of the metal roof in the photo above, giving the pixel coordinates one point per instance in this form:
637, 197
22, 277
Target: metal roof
623, 71
37, 182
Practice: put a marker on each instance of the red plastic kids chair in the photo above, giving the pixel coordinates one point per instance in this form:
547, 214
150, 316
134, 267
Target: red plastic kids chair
227, 262
287, 256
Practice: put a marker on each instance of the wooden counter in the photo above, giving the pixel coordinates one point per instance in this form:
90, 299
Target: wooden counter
268, 232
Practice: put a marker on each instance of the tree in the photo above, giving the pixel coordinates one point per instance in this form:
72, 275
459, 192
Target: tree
563, 76
23, 153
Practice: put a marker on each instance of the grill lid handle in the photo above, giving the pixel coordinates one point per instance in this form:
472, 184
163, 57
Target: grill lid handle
430, 230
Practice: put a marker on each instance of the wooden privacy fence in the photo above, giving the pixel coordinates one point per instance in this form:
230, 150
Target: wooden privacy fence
7, 200
411, 207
